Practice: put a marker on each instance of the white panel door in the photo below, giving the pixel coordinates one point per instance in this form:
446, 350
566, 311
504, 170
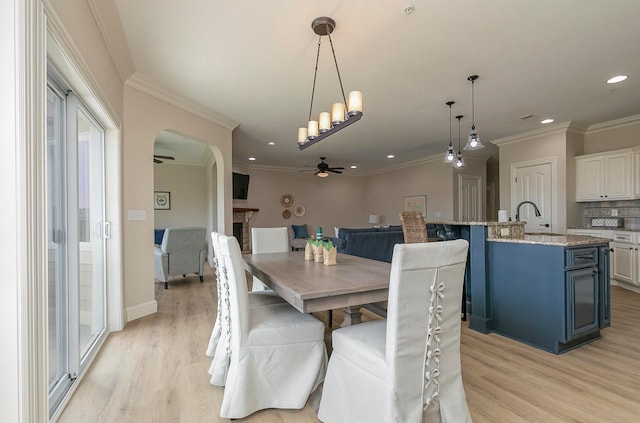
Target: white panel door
534, 183
469, 198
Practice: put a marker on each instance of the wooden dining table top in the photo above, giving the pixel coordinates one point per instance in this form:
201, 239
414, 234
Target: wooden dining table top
311, 286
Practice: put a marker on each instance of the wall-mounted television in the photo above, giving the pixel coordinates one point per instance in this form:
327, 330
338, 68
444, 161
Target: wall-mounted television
240, 186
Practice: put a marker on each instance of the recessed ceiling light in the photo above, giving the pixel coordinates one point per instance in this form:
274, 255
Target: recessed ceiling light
354, 167
617, 79
548, 120
252, 159
271, 143
390, 156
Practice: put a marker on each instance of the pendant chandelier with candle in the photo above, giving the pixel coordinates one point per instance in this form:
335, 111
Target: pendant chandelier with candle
340, 116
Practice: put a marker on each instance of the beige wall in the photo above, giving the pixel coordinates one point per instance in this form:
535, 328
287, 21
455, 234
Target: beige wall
386, 191
144, 117
347, 201
610, 136
536, 145
188, 187
338, 200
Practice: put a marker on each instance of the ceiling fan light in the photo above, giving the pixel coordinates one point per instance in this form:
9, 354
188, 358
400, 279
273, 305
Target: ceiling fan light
323, 174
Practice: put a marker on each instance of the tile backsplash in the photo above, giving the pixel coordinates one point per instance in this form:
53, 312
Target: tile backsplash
628, 209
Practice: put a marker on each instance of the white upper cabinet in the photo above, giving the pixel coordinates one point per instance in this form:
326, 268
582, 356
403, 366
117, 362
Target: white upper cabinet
605, 177
636, 155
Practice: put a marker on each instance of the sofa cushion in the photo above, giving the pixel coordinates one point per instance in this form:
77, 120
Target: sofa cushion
157, 236
300, 231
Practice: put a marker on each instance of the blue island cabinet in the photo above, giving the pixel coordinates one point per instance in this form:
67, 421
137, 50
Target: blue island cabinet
551, 297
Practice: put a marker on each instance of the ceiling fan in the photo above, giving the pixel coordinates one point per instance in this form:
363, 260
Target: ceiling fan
323, 169
157, 157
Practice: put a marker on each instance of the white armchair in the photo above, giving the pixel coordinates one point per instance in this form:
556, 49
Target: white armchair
182, 251
405, 369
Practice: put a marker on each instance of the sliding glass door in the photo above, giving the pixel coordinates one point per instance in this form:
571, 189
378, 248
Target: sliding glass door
77, 233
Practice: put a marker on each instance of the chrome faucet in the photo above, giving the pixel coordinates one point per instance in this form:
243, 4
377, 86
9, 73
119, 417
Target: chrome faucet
526, 202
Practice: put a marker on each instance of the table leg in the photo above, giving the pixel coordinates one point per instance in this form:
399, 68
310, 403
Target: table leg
352, 316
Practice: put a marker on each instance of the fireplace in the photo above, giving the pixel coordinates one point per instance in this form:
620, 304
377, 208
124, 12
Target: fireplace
237, 232
242, 227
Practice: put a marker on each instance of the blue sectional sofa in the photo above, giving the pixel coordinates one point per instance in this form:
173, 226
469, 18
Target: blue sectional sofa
372, 243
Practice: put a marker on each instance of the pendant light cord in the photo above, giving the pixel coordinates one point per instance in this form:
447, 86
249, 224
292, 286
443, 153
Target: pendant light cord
315, 74
337, 70
450, 143
473, 105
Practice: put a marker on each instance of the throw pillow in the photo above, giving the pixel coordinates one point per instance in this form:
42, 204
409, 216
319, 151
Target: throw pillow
300, 231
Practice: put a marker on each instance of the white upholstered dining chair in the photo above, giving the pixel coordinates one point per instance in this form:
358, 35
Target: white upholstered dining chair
268, 240
406, 368
277, 354
218, 346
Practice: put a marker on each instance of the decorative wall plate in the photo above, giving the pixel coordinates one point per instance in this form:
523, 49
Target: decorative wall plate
286, 200
299, 210
286, 214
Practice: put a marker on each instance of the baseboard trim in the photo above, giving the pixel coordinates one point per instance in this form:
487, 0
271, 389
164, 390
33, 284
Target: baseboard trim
141, 310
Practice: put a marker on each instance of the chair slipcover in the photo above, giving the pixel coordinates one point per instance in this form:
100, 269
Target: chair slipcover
217, 347
277, 354
268, 240
182, 251
404, 369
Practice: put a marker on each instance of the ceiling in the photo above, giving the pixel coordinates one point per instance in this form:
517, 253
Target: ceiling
252, 62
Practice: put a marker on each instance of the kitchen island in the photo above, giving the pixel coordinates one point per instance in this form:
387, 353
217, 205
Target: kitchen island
549, 291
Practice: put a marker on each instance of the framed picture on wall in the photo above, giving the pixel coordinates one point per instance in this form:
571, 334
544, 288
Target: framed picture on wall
162, 200
416, 202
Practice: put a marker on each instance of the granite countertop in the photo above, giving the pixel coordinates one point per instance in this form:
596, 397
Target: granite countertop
556, 240
605, 228
488, 223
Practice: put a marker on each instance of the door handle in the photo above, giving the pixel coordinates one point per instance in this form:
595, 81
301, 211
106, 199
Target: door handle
546, 225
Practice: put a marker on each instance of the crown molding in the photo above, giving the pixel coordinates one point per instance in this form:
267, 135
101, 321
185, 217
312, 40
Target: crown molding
74, 62
612, 124
139, 82
106, 15
561, 128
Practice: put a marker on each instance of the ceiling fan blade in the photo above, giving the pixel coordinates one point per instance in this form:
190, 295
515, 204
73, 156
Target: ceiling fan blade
158, 156
156, 160
334, 171
336, 168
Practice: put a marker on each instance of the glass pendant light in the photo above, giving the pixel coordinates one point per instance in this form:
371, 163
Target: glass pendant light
459, 163
450, 155
473, 143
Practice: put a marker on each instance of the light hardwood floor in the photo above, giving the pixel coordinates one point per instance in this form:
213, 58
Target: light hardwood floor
155, 370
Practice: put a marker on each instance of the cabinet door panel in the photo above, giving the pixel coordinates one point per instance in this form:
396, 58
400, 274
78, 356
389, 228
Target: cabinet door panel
588, 179
617, 176
582, 301
623, 264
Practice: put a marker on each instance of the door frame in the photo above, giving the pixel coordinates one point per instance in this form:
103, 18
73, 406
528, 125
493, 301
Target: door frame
553, 161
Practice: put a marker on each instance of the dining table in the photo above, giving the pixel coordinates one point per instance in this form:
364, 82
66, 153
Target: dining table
311, 286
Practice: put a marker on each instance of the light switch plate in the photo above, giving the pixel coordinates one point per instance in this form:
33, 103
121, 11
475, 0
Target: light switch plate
137, 215
614, 212
504, 232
